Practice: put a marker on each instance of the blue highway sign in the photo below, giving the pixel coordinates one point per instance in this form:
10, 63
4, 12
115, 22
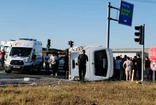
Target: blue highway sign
126, 12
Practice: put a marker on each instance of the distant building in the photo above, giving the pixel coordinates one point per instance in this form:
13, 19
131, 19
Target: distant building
131, 52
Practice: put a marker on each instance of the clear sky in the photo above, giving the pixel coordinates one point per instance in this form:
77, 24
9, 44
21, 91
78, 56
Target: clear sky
82, 21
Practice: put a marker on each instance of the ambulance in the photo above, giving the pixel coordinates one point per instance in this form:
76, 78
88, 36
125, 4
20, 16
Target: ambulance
6, 46
25, 54
99, 66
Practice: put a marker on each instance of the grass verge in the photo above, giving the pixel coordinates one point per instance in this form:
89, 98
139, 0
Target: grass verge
91, 93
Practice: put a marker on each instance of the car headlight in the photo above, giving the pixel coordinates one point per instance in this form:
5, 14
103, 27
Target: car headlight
27, 60
8, 60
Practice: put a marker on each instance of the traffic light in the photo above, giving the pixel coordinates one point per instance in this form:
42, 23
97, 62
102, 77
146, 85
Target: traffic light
49, 43
71, 43
140, 35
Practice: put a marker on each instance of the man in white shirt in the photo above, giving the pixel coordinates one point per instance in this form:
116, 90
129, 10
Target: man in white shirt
53, 63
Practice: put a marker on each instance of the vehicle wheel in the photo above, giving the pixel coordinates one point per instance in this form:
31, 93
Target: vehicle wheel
8, 71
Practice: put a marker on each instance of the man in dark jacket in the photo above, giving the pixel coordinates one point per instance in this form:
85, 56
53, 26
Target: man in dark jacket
82, 58
138, 65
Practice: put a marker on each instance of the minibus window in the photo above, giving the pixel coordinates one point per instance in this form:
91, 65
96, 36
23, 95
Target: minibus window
101, 63
73, 64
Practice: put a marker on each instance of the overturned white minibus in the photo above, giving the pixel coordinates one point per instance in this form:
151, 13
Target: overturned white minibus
99, 65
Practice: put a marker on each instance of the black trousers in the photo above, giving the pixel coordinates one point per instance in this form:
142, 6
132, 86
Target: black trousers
117, 74
2, 61
47, 67
139, 72
82, 72
54, 69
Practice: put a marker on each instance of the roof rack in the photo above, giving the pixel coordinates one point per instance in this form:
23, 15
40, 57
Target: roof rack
12, 40
28, 39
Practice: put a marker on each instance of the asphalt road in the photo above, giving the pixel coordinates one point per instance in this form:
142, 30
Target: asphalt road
36, 78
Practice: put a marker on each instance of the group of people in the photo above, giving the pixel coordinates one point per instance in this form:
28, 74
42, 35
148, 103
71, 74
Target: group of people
2, 55
53, 59
123, 67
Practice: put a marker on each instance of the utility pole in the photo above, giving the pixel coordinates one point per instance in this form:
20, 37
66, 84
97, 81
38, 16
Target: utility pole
108, 25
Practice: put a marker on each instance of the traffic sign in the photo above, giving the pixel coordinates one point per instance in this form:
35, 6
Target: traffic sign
152, 53
153, 65
126, 12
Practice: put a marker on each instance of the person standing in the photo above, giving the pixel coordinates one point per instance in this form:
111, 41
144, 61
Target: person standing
128, 65
121, 69
81, 61
138, 66
135, 67
57, 61
46, 57
2, 54
117, 67
53, 64
147, 67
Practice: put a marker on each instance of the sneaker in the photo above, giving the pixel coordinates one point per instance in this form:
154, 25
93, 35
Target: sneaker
56, 74
53, 76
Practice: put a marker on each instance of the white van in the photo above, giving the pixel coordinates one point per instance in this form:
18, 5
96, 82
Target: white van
25, 54
6, 45
99, 65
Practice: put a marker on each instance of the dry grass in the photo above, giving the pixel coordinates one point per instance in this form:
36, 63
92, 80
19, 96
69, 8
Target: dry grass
93, 93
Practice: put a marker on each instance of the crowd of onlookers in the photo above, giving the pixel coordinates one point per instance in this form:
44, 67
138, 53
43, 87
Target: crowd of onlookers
125, 66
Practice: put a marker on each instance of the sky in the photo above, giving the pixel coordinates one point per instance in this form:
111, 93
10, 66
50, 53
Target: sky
82, 21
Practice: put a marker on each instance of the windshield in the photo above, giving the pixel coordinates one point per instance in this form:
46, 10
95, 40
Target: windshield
17, 51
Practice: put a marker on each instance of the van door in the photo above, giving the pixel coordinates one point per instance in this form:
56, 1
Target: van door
101, 63
74, 67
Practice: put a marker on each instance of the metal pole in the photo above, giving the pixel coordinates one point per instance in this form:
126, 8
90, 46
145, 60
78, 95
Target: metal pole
69, 61
47, 48
153, 76
108, 24
143, 31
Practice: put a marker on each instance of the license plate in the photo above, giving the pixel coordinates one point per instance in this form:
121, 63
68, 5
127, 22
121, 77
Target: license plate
16, 66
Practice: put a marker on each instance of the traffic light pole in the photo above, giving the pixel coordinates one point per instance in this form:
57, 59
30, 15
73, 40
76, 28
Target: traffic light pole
70, 43
47, 48
143, 32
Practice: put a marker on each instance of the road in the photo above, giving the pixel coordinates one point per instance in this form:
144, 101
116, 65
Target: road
37, 78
